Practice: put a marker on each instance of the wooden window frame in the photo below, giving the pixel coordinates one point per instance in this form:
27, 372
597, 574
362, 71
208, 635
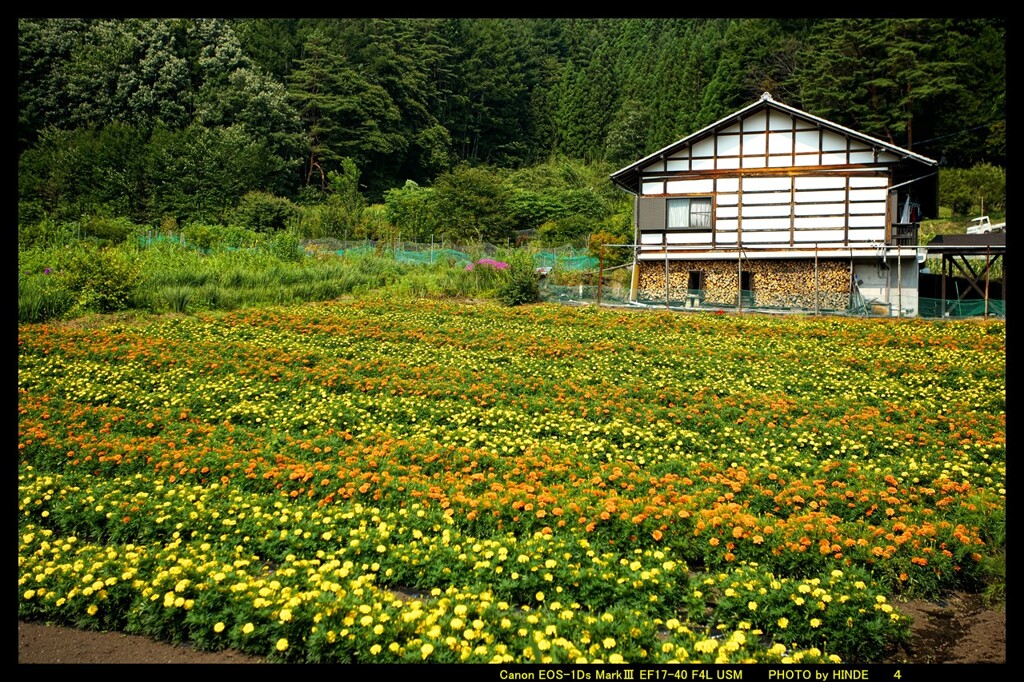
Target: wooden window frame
669, 201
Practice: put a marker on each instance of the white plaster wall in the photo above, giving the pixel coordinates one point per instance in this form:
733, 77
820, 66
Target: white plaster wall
896, 286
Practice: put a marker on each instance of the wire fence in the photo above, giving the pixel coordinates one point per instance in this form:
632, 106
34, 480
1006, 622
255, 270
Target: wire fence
579, 261
936, 307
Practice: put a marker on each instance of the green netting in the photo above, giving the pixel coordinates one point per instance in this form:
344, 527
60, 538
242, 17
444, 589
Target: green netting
556, 261
148, 240
364, 250
433, 256
583, 294
936, 307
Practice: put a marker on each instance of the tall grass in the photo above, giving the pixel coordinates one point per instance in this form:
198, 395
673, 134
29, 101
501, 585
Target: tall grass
179, 278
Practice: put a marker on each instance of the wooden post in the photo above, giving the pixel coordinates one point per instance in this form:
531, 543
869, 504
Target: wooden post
943, 285
816, 308
666, 275
899, 281
739, 280
988, 256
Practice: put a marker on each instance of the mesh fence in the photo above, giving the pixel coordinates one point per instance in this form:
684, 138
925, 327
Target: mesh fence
936, 307
858, 306
582, 293
565, 260
570, 259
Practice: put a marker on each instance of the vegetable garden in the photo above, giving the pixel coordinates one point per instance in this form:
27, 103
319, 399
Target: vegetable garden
382, 481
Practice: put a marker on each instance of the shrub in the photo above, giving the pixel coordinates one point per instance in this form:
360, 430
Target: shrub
107, 230
46, 233
520, 286
285, 246
264, 212
104, 278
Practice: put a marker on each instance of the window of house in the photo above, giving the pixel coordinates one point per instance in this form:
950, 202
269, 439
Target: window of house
692, 213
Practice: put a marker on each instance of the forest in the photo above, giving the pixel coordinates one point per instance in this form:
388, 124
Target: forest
464, 129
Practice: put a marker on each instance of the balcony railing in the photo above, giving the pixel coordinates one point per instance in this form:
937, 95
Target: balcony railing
904, 234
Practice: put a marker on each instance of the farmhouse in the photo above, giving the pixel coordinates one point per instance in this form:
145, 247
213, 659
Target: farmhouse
774, 208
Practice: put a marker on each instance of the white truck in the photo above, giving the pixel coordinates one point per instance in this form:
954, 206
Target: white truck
982, 225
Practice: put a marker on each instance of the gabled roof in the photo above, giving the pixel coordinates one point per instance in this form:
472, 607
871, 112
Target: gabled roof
629, 177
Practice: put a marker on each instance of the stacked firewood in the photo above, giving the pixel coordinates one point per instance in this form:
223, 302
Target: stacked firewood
775, 283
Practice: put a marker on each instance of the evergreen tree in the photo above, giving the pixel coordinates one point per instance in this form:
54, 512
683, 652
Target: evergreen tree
344, 115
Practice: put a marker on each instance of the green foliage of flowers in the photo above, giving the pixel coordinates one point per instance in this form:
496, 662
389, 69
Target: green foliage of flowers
376, 482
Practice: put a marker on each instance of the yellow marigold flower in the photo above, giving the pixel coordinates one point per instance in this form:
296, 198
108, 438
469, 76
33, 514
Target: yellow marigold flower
615, 658
608, 642
375, 649
426, 649
285, 615
540, 596
218, 627
282, 644
815, 622
248, 628
706, 645
783, 623
752, 605
29, 594
92, 609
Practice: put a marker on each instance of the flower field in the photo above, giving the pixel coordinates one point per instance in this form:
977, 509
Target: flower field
395, 481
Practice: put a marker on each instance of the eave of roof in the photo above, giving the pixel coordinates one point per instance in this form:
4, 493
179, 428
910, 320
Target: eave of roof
978, 240
627, 177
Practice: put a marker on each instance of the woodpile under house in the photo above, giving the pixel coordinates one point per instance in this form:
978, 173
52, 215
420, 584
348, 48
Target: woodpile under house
773, 208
